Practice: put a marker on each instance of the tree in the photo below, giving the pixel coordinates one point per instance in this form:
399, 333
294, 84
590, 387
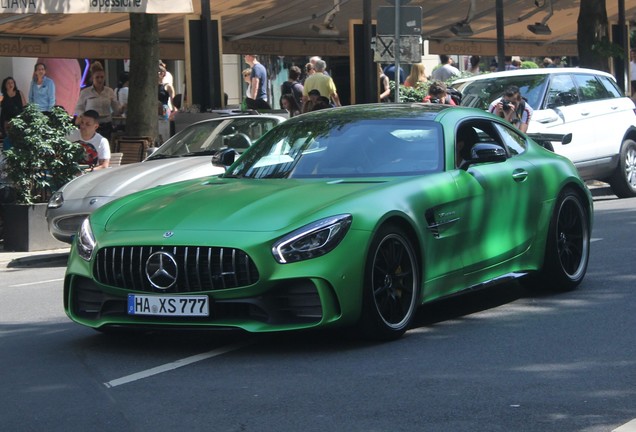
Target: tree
593, 35
144, 65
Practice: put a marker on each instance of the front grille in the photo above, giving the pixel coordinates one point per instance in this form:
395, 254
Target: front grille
199, 268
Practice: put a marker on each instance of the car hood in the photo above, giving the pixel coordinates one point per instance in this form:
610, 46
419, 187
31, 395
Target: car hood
126, 179
234, 205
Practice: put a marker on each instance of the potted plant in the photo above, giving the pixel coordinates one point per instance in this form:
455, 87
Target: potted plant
40, 161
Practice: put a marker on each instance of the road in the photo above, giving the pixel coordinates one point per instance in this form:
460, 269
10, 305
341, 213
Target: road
502, 359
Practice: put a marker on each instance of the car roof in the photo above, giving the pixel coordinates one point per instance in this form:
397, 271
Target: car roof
530, 72
422, 111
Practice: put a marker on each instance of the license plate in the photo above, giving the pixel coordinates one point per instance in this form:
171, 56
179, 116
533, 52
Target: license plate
189, 306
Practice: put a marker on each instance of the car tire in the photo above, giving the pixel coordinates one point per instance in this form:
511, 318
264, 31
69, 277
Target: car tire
623, 181
567, 247
391, 286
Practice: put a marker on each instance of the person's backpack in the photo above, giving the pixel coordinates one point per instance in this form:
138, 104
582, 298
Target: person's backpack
455, 94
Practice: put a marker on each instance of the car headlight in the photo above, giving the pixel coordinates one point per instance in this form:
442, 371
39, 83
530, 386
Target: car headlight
56, 201
85, 241
313, 240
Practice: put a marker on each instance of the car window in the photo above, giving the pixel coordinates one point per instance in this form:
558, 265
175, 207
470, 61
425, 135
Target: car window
562, 91
344, 148
207, 138
515, 142
590, 88
610, 86
473, 132
480, 93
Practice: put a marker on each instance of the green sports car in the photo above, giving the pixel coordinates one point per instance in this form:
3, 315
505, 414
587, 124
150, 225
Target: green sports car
349, 217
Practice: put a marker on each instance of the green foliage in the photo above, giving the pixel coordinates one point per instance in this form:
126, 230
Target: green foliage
527, 64
41, 159
420, 91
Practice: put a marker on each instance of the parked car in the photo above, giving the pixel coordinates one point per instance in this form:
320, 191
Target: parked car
350, 216
185, 156
585, 103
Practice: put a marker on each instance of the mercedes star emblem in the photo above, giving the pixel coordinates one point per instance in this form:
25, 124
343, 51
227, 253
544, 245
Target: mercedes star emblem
161, 270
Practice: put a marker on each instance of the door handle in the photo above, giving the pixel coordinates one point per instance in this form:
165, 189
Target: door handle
519, 175
547, 120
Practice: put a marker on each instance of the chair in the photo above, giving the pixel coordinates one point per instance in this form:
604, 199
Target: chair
133, 148
115, 159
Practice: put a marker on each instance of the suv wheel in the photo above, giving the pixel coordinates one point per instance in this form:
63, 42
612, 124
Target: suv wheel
623, 181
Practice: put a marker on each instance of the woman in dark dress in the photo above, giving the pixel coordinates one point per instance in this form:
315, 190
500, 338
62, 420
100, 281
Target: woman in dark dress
13, 101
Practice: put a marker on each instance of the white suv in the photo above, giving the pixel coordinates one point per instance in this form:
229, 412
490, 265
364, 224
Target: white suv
583, 102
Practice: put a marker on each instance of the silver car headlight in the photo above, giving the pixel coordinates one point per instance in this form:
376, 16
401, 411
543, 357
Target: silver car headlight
56, 201
85, 241
313, 240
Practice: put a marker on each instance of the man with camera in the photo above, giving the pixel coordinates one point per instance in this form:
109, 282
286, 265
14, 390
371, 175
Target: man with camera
438, 93
512, 107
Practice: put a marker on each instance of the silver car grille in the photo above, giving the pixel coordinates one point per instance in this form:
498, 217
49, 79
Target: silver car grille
199, 268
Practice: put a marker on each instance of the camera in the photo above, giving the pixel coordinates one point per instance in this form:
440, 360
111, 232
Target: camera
507, 105
435, 100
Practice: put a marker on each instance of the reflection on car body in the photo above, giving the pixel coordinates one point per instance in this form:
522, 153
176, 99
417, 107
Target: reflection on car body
185, 156
584, 105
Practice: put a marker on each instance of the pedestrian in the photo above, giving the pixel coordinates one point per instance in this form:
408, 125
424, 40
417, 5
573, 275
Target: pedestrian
100, 98
513, 108
165, 94
13, 101
42, 90
389, 71
383, 85
417, 75
473, 65
446, 71
122, 92
247, 79
288, 103
438, 94
96, 146
321, 82
292, 86
312, 99
309, 71
257, 98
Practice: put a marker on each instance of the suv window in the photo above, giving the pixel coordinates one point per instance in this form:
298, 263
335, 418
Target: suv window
590, 88
610, 86
562, 91
480, 93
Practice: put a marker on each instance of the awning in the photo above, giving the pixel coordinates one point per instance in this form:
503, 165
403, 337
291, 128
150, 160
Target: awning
95, 6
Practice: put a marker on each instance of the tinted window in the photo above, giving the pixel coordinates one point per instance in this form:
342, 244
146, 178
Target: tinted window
479, 94
610, 86
590, 88
562, 91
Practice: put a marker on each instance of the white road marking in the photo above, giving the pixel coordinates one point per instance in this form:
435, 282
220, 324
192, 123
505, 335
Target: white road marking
627, 427
35, 283
175, 365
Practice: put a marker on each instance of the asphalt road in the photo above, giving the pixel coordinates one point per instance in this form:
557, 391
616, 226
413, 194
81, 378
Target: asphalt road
502, 359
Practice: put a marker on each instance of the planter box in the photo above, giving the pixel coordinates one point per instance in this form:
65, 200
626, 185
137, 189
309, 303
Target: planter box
26, 230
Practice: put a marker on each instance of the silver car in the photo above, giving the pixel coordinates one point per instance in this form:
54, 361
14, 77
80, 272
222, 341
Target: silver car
187, 155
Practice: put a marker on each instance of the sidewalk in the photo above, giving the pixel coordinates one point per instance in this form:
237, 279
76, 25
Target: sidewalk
43, 258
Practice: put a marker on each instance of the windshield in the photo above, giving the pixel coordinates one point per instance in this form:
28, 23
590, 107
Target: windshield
480, 93
336, 148
209, 137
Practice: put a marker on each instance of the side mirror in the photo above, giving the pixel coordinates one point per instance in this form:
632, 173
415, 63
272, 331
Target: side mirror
486, 152
224, 158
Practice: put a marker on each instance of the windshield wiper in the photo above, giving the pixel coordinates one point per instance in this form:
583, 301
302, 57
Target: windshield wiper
200, 153
161, 156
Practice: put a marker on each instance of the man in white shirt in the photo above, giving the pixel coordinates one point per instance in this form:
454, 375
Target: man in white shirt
446, 71
96, 146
